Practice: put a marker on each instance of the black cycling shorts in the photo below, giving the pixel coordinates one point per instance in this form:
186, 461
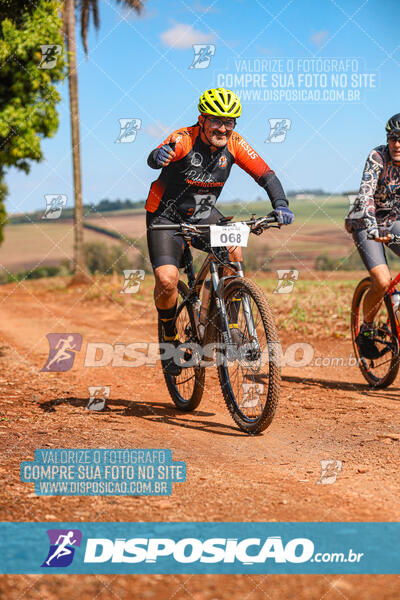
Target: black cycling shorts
165, 248
371, 252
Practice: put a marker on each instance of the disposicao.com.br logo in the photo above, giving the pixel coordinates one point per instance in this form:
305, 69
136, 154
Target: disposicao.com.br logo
62, 547
191, 550
247, 551
100, 553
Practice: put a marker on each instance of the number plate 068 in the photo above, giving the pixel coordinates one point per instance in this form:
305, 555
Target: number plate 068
234, 234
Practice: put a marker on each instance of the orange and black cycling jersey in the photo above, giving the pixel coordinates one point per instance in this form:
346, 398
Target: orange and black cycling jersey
193, 181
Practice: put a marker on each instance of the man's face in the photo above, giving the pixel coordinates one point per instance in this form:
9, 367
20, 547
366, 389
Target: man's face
394, 146
216, 130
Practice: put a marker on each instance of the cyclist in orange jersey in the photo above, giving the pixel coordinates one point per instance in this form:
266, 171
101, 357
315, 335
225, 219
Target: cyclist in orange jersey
196, 162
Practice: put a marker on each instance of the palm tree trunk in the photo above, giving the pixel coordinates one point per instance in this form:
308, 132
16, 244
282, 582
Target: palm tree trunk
79, 268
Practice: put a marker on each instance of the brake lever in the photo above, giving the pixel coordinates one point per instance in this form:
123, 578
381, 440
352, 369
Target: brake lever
187, 231
259, 226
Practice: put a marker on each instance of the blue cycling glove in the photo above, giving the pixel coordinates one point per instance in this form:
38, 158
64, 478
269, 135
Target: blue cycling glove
162, 155
284, 215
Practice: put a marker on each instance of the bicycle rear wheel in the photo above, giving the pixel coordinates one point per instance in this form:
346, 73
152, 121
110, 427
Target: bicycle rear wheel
380, 372
251, 383
186, 389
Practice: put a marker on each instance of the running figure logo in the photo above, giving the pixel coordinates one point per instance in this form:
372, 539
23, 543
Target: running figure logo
278, 129
62, 351
133, 279
356, 209
251, 394
202, 55
204, 204
98, 397
49, 56
62, 547
54, 205
128, 130
286, 280
330, 469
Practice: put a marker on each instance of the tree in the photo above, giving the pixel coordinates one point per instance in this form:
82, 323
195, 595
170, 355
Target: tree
86, 8
28, 97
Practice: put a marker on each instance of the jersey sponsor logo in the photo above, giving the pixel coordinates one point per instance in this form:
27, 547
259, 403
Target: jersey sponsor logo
222, 162
196, 159
249, 150
177, 139
204, 177
205, 183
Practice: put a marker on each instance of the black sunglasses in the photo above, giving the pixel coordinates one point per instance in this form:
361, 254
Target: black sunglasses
229, 123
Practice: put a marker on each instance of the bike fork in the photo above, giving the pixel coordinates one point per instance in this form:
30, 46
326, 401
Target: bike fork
218, 285
248, 315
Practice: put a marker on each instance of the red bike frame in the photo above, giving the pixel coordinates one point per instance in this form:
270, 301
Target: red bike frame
390, 290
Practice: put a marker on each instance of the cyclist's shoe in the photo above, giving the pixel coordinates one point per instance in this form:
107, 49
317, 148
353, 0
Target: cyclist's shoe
170, 365
366, 344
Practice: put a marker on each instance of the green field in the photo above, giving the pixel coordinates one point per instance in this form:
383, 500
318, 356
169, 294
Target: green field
319, 210
318, 231
37, 244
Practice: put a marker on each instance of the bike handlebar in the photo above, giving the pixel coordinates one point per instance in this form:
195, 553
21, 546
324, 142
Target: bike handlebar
254, 224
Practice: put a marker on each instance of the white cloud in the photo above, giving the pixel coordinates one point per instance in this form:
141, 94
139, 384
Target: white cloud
158, 130
319, 37
182, 36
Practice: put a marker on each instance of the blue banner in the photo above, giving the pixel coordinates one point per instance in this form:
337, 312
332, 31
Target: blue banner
194, 548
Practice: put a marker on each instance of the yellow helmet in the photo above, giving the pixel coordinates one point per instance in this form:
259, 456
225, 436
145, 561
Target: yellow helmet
220, 102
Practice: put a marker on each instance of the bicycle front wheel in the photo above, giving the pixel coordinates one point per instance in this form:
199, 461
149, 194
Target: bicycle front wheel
186, 389
251, 382
380, 372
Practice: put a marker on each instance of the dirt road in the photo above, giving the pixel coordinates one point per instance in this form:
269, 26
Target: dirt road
325, 412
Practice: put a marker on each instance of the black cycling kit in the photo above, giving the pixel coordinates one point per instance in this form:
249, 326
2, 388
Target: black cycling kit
377, 207
188, 188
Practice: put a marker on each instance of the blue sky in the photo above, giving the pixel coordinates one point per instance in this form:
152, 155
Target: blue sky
138, 67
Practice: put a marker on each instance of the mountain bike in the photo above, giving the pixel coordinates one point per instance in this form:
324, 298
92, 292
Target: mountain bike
224, 320
380, 372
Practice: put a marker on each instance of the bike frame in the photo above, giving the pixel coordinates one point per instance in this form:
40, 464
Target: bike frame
393, 284
217, 304
389, 292
213, 267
